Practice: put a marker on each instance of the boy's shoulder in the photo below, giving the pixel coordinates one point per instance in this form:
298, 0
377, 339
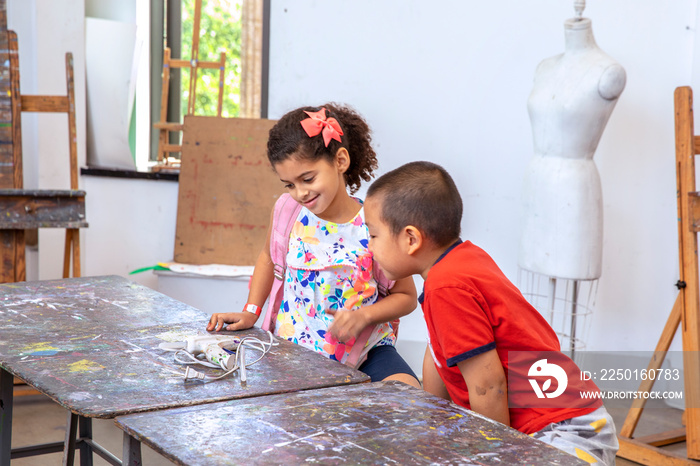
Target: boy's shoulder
467, 267
462, 259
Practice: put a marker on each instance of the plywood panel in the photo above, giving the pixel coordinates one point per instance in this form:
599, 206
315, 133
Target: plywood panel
227, 191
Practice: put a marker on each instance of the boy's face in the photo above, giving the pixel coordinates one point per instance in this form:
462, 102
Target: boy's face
385, 246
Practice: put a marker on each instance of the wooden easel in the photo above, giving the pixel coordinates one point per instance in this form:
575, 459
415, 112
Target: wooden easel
63, 104
685, 311
28, 209
165, 127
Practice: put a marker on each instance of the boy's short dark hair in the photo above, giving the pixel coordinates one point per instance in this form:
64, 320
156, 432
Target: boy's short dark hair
421, 194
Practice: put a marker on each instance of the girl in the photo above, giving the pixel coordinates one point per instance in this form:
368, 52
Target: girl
330, 280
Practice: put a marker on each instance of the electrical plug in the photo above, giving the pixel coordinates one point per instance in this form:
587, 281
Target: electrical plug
191, 374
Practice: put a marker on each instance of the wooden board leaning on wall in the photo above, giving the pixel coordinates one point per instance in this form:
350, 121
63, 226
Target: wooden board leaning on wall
227, 191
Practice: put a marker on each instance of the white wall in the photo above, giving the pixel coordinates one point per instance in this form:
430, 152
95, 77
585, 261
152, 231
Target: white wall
445, 81
448, 82
132, 225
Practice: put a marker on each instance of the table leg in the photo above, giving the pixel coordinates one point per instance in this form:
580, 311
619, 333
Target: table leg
69, 448
6, 388
131, 453
85, 445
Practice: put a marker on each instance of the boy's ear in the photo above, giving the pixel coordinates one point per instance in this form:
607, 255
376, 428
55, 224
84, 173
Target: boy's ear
414, 239
342, 159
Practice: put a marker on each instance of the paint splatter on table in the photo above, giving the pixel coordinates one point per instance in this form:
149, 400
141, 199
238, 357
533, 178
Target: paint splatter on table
80, 304
378, 423
92, 345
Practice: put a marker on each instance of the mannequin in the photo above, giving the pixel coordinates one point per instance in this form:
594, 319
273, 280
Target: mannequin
573, 96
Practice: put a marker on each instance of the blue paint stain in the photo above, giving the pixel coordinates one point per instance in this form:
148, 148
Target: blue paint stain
45, 353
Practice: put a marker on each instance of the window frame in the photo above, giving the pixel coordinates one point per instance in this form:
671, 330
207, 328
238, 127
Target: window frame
166, 27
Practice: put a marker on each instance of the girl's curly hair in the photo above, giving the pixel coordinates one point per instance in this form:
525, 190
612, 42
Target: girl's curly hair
288, 138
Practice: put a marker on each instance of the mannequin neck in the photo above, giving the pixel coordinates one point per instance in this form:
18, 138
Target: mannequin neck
578, 34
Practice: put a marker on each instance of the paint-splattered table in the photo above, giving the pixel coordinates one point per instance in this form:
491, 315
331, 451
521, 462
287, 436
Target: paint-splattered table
92, 345
378, 423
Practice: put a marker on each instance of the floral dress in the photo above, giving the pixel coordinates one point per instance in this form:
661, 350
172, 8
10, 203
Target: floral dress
329, 266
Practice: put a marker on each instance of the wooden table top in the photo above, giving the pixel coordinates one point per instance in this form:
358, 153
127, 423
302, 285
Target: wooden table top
91, 344
80, 305
377, 423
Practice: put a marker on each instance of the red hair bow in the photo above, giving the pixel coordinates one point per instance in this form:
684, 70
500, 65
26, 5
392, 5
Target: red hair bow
317, 123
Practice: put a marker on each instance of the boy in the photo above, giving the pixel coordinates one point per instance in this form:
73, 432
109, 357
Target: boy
481, 329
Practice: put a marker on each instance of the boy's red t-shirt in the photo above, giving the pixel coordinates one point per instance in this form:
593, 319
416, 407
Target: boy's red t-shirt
471, 307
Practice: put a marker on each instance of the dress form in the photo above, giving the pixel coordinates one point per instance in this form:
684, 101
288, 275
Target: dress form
573, 96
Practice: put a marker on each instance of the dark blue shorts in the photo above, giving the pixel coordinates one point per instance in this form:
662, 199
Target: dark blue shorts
383, 361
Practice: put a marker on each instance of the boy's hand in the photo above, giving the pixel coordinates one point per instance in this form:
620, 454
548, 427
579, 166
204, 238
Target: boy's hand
346, 324
236, 321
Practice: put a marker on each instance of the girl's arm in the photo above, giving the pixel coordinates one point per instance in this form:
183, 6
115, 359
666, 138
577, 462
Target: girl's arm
400, 301
260, 286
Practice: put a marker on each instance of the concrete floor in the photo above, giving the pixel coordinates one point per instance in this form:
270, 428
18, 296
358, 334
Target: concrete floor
37, 419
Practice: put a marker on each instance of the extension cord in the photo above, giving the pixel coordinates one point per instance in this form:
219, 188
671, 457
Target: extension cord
217, 355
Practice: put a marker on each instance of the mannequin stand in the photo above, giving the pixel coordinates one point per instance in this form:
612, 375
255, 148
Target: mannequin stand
566, 304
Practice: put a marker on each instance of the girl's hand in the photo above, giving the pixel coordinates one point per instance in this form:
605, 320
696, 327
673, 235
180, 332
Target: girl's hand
346, 324
236, 321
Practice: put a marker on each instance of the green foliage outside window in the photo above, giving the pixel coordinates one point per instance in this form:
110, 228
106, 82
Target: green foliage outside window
220, 31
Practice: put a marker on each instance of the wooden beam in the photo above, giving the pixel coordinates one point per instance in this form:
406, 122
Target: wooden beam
23, 209
655, 363
688, 261
664, 438
72, 134
634, 450
172, 148
45, 103
177, 63
694, 211
168, 126
20, 264
696, 144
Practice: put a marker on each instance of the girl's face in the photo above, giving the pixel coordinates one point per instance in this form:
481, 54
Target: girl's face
316, 184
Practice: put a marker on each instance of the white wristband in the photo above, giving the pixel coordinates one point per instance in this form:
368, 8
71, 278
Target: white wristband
253, 309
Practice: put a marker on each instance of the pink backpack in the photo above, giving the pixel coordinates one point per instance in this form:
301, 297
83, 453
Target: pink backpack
286, 212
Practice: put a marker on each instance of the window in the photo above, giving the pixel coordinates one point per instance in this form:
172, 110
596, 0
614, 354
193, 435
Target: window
236, 28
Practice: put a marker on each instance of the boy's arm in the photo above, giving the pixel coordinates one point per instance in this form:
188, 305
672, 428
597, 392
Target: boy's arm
486, 382
260, 286
401, 300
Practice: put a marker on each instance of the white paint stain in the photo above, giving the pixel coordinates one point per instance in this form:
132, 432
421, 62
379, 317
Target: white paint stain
299, 439
136, 348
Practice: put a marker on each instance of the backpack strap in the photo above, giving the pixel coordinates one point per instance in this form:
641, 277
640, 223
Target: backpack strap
285, 213
359, 346
383, 283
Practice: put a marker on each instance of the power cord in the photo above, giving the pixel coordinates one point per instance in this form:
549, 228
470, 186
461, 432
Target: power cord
184, 357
